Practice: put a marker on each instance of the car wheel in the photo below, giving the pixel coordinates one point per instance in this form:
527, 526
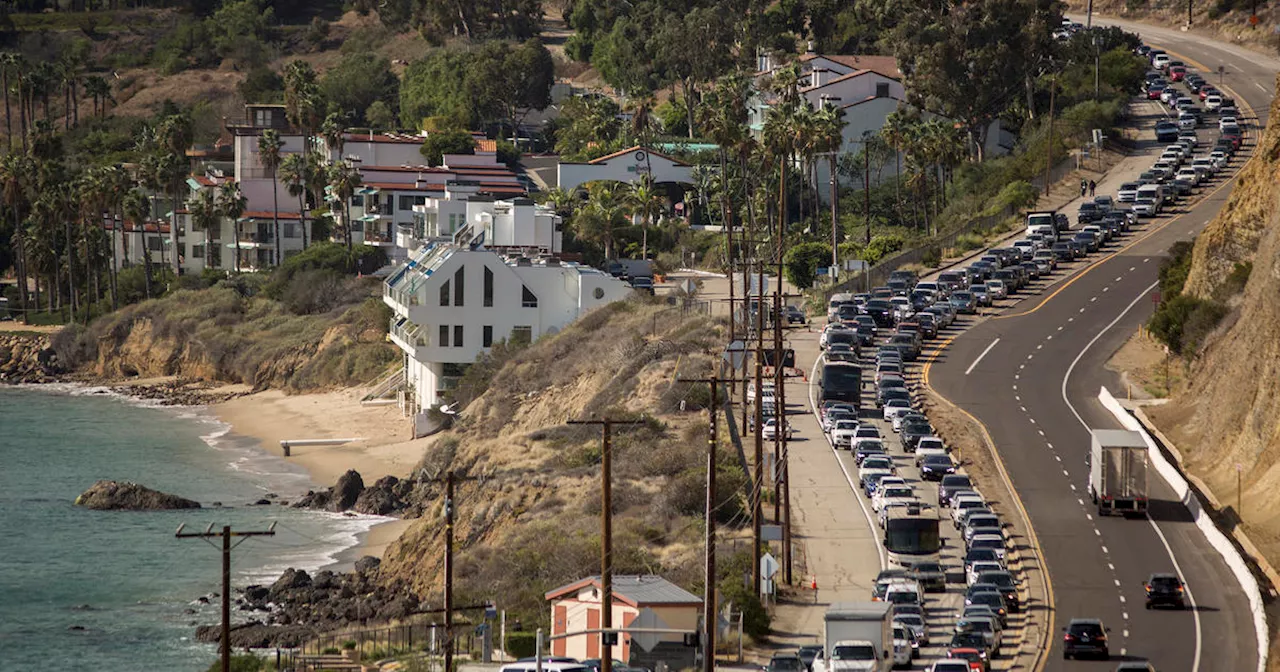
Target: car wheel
1066, 656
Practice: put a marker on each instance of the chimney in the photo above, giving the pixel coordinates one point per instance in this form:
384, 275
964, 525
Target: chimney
808, 48
818, 77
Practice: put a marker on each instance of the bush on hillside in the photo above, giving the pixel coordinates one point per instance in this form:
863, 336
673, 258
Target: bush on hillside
801, 263
325, 256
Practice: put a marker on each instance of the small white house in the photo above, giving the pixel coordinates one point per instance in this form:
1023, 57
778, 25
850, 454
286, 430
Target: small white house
627, 165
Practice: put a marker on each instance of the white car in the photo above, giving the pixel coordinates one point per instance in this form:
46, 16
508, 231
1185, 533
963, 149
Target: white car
949, 665
962, 503
1144, 207
770, 430
1161, 61
892, 493
1205, 163
1212, 102
897, 418
1167, 95
892, 406
871, 444
931, 442
1128, 191
1187, 121
922, 453
995, 542
874, 465
997, 289
1225, 121
971, 576
866, 430
1219, 159
1190, 174
842, 433
901, 646
1026, 247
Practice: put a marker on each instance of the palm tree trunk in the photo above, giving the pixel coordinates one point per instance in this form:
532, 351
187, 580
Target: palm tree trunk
8, 118
235, 224
114, 270
75, 103
22, 115
302, 216
71, 271
173, 232
66, 101
275, 214
346, 220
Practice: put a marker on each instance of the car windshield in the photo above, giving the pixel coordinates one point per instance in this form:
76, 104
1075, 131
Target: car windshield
853, 652
974, 625
992, 543
955, 481
788, 663
1085, 629
998, 578
1165, 582
897, 492
930, 567
937, 461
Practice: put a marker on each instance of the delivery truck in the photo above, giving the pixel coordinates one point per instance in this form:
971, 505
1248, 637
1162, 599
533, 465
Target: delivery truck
1118, 472
858, 637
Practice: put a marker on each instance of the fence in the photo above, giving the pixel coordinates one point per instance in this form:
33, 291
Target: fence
420, 637
879, 274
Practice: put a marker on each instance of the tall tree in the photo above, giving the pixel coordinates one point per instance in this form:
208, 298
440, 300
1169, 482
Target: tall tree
174, 135
96, 87
8, 64
232, 205
644, 201
15, 170
269, 145
204, 216
136, 206
344, 179
293, 170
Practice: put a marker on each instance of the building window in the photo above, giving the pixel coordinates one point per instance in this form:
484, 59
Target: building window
197, 251
457, 336
215, 257
444, 336
444, 293
882, 89
528, 300
488, 287
357, 201
458, 284
487, 337
290, 229
521, 335
155, 243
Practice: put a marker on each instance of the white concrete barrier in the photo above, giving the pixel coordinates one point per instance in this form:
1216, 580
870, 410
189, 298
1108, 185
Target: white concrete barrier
1219, 541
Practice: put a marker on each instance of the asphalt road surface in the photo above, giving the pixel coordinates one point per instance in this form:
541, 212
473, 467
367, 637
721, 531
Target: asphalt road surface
1035, 389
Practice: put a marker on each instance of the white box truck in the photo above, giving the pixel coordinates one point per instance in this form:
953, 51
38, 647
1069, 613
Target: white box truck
1118, 472
858, 637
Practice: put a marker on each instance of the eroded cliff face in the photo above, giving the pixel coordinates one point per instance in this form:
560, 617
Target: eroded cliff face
1228, 418
1234, 235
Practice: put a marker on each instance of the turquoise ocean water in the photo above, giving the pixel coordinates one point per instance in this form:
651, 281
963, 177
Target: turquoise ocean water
98, 590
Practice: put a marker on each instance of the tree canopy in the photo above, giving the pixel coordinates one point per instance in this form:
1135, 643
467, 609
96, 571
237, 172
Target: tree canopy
496, 81
357, 82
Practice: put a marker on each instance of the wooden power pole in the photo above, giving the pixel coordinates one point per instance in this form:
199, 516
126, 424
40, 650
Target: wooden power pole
607, 637
448, 571
226, 534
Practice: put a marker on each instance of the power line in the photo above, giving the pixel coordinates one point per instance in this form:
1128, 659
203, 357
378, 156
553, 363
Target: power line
225, 534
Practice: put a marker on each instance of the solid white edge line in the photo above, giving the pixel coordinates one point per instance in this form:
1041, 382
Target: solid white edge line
979, 359
1195, 613
813, 407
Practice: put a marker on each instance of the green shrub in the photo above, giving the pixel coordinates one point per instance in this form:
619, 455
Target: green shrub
240, 662
1175, 268
932, 257
325, 256
966, 242
522, 644
1234, 282
730, 570
1017, 195
1183, 322
801, 262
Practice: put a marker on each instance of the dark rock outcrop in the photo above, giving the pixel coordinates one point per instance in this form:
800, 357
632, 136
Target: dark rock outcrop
346, 491
368, 565
382, 498
115, 495
389, 496
28, 359
256, 634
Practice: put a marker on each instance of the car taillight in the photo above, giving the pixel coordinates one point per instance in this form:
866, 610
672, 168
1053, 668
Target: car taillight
1101, 638
1068, 637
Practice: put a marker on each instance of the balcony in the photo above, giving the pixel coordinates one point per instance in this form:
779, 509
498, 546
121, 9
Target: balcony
408, 336
254, 239
379, 238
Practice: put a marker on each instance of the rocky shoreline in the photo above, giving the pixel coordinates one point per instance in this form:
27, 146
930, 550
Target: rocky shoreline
28, 359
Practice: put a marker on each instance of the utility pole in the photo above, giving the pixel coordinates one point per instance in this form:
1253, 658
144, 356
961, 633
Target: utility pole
866, 182
835, 257
709, 595
1097, 56
1188, 13
606, 534
226, 534
1088, 19
448, 571
1048, 147
757, 489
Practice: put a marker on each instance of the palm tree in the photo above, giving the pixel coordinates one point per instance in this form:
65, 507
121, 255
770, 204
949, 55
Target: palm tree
135, 207
560, 200
344, 179
293, 169
725, 120
232, 204
269, 145
14, 169
174, 134
596, 221
334, 131
204, 216
302, 100
644, 200
8, 65
99, 89
894, 132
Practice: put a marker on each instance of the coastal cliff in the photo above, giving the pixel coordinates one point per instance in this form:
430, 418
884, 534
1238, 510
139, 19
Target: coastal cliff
27, 358
1227, 419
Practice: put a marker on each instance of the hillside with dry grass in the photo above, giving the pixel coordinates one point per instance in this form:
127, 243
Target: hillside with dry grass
531, 521
1226, 20
1228, 414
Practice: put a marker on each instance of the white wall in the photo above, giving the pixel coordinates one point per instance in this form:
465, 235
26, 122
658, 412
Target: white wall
625, 168
383, 153
854, 89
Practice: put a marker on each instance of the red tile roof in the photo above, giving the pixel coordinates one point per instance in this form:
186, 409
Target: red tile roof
885, 65
266, 214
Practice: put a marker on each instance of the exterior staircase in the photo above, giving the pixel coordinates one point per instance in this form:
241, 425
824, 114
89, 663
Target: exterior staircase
385, 391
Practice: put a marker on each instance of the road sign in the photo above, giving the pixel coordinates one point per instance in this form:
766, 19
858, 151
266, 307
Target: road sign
687, 285
647, 619
766, 586
770, 533
768, 565
855, 265
736, 354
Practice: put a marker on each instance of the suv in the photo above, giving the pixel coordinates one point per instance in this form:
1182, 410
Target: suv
1165, 589
1085, 636
1166, 131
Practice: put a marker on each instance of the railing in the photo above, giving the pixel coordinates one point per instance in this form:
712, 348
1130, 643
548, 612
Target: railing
256, 237
408, 332
392, 382
378, 237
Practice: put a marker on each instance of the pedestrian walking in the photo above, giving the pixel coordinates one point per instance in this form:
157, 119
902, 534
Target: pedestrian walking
1093, 186
1084, 188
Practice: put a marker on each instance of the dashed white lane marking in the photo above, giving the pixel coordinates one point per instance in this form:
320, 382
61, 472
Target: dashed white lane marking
1066, 473
1059, 458
1073, 487
1040, 347
1263, 88
1050, 446
1050, 336
1133, 268
1091, 300
1082, 309
1072, 319
980, 356
1059, 328
1016, 376
1023, 409
1125, 615
1041, 432
1015, 387
1126, 633
1111, 566
1117, 586
1118, 277
1106, 289
1095, 531
1031, 355
1033, 420
1146, 260
1017, 398
1080, 500
1104, 550
1088, 516
1122, 600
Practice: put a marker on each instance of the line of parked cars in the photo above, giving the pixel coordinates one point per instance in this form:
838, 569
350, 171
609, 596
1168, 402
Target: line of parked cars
897, 319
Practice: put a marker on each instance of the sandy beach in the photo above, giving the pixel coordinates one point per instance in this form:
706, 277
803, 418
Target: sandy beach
384, 448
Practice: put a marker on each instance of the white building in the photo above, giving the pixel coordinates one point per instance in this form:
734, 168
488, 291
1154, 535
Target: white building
627, 165
457, 295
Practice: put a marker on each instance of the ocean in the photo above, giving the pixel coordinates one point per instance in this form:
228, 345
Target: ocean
115, 590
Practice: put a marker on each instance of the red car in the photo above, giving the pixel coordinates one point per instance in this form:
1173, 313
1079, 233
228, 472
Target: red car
1206, 90
977, 661
1177, 72
1234, 138
1154, 92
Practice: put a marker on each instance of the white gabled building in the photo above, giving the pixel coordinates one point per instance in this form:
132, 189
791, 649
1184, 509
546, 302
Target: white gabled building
457, 295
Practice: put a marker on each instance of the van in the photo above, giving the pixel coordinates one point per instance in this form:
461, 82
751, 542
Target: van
1154, 192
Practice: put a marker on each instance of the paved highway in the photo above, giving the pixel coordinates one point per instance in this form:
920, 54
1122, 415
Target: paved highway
1036, 389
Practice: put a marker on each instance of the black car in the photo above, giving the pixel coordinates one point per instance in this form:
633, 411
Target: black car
808, 653
1085, 636
1063, 251
934, 467
880, 311
1086, 240
991, 599
1166, 131
979, 555
970, 640
912, 432
796, 316
1088, 213
1008, 587
1165, 589
786, 662
931, 575
950, 484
